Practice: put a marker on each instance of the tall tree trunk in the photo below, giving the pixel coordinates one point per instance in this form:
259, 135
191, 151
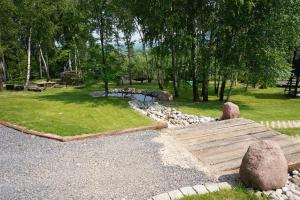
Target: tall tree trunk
174, 67
194, 73
101, 34
40, 66
70, 62
160, 85
1, 75
222, 90
205, 87
191, 30
247, 85
148, 70
75, 60
215, 79
28, 58
45, 64
232, 80
129, 61
5, 76
218, 86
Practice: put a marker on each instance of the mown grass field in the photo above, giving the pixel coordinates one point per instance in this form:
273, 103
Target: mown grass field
234, 194
73, 111
68, 112
256, 104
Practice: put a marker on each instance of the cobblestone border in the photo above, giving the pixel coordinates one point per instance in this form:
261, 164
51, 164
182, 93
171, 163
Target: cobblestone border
282, 124
51, 136
194, 190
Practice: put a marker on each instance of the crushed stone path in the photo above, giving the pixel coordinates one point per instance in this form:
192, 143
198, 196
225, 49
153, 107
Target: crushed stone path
282, 124
127, 167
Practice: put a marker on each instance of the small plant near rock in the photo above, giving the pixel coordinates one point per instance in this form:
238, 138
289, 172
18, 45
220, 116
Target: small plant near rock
238, 193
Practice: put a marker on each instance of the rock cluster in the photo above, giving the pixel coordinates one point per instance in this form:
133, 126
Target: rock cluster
157, 94
291, 190
173, 117
144, 101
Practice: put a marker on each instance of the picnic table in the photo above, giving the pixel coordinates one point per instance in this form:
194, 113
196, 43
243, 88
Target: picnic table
46, 84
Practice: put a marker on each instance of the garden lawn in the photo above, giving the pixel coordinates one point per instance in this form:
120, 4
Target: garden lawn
290, 131
68, 112
256, 104
234, 194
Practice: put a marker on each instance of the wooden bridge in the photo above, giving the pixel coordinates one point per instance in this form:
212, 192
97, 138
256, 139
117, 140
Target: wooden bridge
221, 145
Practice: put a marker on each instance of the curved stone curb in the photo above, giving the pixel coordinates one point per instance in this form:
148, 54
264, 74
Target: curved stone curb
194, 190
81, 137
282, 124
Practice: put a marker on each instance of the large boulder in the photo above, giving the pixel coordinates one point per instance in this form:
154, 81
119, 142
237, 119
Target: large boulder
230, 111
164, 96
264, 166
159, 95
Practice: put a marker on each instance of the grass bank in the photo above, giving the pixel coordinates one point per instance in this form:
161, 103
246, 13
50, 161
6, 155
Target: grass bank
295, 132
234, 194
68, 112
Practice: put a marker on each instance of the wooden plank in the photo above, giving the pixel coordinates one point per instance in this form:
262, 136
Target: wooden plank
232, 141
212, 126
201, 129
211, 133
224, 137
223, 134
232, 164
240, 152
222, 145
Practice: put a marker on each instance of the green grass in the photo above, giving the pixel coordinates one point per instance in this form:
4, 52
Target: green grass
234, 194
256, 104
290, 131
72, 111
68, 112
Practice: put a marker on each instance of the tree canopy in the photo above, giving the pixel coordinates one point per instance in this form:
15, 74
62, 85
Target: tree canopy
182, 41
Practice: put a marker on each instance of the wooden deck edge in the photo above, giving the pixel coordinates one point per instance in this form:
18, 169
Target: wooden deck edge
51, 136
294, 166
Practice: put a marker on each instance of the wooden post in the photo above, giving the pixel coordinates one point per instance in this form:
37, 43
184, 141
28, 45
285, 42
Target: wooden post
296, 86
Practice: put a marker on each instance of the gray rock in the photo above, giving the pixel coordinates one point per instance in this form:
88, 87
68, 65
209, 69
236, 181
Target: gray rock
175, 194
187, 191
212, 187
164, 196
200, 189
224, 186
295, 172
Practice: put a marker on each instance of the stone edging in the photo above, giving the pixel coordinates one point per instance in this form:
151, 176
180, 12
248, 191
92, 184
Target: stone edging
81, 137
194, 190
282, 124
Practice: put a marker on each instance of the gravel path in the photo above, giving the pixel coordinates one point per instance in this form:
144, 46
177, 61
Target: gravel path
117, 167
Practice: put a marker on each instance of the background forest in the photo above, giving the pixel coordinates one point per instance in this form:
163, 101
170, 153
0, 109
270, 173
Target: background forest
178, 42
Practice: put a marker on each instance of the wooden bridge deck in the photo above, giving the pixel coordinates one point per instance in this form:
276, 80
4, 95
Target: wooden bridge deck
221, 145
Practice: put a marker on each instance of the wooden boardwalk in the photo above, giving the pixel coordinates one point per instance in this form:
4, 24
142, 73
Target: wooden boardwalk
221, 145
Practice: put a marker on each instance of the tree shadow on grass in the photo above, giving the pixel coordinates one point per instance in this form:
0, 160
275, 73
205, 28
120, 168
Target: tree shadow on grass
83, 97
277, 96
